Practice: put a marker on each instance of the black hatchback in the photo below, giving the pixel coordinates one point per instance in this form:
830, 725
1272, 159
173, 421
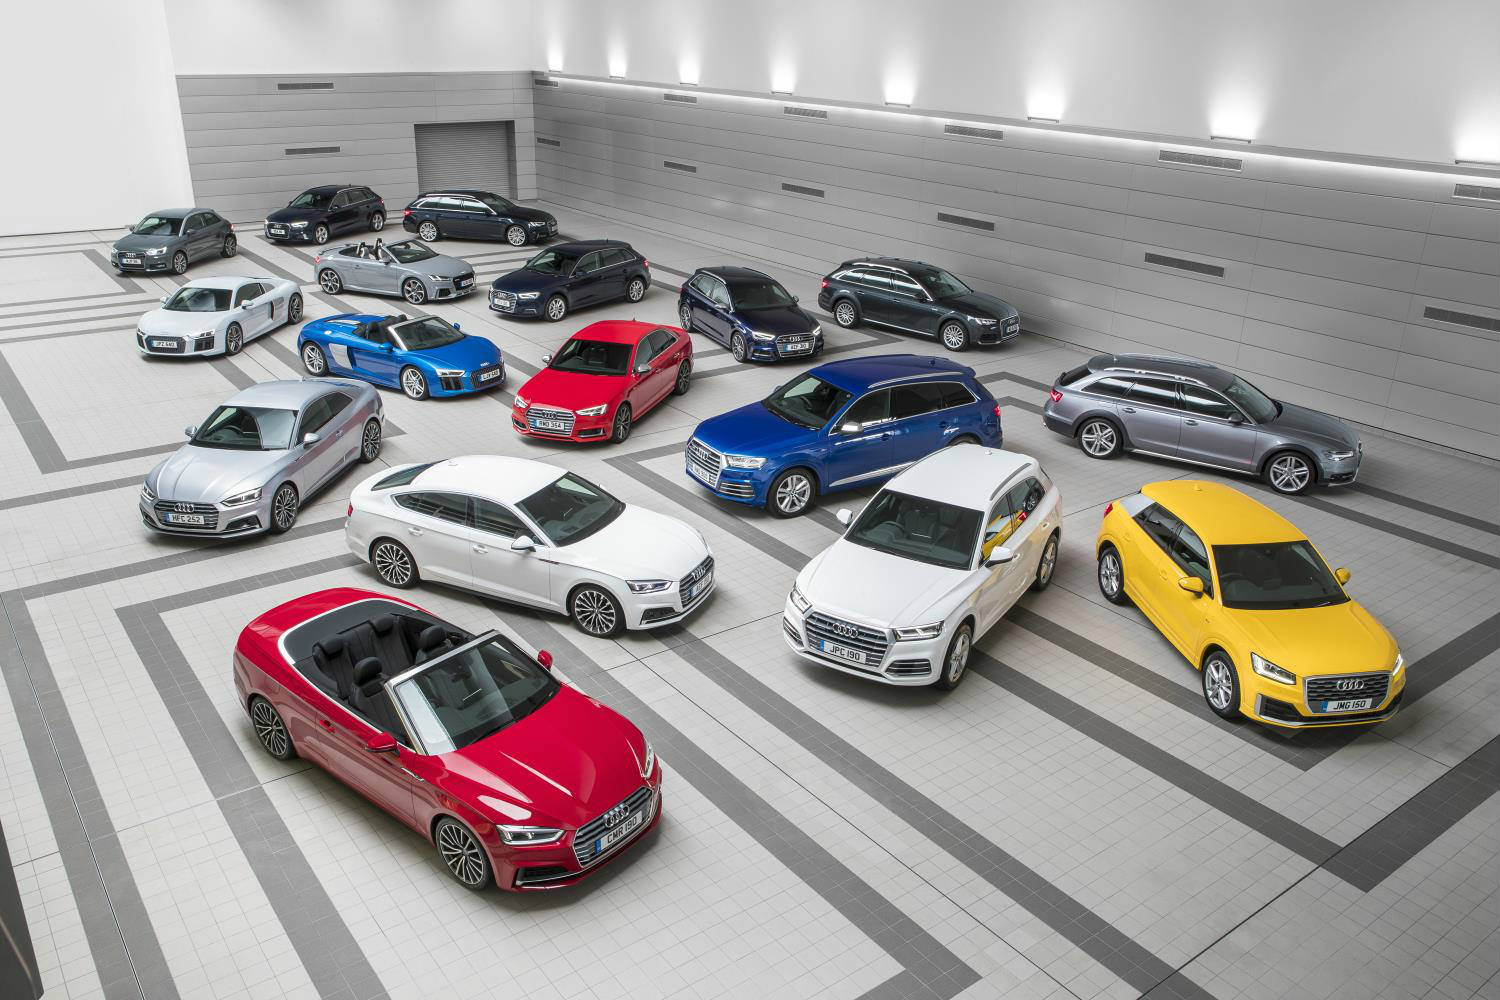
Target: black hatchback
322, 212
563, 277
918, 298
476, 215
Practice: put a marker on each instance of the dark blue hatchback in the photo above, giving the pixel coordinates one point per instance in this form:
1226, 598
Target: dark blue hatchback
749, 313
839, 426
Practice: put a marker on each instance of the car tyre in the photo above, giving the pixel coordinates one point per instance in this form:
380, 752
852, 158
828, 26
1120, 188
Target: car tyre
427, 232
179, 262
620, 429
320, 234
685, 313
377, 221
1221, 685
1100, 438
314, 360
231, 246
462, 854
635, 290
413, 291
294, 308
557, 308
792, 493
737, 348
955, 665
413, 383
329, 281
370, 441
271, 730
684, 379
284, 508
394, 564
1112, 575
234, 339
846, 314
515, 236
596, 612
955, 336
1046, 565
1289, 473
961, 439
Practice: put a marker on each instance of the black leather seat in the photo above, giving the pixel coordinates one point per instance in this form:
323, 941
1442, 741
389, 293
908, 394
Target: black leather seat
390, 644
370, 699
332, 657
432, 642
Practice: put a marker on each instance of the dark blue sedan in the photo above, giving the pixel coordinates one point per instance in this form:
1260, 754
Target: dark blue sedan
422, 357
840, 426
749, 313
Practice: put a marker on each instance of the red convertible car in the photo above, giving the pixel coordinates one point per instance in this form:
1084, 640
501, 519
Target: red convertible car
516, 777
605, 377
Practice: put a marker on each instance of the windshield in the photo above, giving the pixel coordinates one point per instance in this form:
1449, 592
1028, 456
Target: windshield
592, 357
1275, 576
940, 283
198, 300
473, 693
916, 528
249, 428
552, 262
311, 199
570, 509
409, 252
807, 401
499, 204
1260, 407
156, 225
768, 295
426, 333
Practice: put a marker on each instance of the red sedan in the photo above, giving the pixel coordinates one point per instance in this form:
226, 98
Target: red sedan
516, 777
606, 377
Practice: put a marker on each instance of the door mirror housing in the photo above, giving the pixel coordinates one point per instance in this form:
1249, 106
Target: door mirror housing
849, 428
999, 556
382, 743
1192, 585
1341, 575
311, 438
522, 543
388, 348
191, 430
1237, 419
643, 369
164, 299
796, 299
546, 359
457, 327
544, 658
845, 516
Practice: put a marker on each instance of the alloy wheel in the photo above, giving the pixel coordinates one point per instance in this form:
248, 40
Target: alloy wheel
377, 222
393, 564
793, 493
737, 347
462, 854
427, 232
844, 314
686, 315
1289, 473
636, 290
270, 730
1098, 438
320, 235
413, 384
958, 658
515, 236
595, 612
179, 263
1048, 564
284, 507
329, 281
231, 246
370, 442
1218, 684
622, 424
294, 309
313, 360
557, 308
684, 378
234, 339
1111, 575
955, 337
413, 292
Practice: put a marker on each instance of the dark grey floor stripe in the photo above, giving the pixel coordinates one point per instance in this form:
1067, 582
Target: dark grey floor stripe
274, 269
231, 372
115, 296
1085, 929
18, 966
121, 938
1447, 514
97, 259
61, 334
1002, 376
115, 300
134, 314
53, 496
1374, 855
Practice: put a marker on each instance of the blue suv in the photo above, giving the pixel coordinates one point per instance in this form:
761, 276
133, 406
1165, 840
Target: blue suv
839, 426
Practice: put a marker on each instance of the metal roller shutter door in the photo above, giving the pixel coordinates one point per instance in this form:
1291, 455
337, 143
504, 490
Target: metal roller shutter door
467, 155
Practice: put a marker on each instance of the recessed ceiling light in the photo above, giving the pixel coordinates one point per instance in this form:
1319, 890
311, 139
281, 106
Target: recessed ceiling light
1482, 164
1229, 138
896, 104
781, 93
1044, 121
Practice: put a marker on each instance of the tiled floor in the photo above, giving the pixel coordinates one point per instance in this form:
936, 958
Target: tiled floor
1072, 822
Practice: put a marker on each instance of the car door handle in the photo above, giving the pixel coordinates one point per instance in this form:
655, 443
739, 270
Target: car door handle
326, 724
414, 531
482, 550
1191, 422
1127, 409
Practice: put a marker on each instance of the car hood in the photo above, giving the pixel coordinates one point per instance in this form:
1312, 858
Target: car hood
208, 475
982, 305
178, 322
639, 544
527, 280
878, 589
297, 215
447, 267
562, 765
753, 430
530, 214
1298, 422
139, 243
468, 353
1342, 638
572, 390
780, 320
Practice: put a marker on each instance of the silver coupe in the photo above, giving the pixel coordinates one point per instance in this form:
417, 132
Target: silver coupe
408, 269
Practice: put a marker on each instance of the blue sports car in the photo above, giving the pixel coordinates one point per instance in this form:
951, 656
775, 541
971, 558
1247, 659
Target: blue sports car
422, 357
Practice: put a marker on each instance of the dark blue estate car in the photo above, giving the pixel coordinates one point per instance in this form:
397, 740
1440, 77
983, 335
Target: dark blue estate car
749, 313
839, 426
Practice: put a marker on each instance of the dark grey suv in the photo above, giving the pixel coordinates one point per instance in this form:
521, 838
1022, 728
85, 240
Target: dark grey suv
1194, 412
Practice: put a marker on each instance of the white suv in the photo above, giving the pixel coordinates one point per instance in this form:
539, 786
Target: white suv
931, 563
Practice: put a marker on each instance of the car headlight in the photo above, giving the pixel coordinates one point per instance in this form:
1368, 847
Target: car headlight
537, 225
299, 225
522, 402
249, 496
799, 600
762, 335
529, 296
148, 494
648, 586
525, 835
593, 411
450, 373
984, 320
1271, 671
156, 251
1400, 665
648, 763
1338, 456
743, 461
919, 632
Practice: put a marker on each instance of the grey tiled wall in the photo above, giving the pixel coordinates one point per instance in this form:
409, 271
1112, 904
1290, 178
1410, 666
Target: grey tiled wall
1327, 267
238, 129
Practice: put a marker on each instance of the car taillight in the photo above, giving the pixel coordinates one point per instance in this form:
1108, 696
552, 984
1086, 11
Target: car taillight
1109, 507
997, 409
350, 511
824, 283
645, 263
318, 259
405, 212
1056, 396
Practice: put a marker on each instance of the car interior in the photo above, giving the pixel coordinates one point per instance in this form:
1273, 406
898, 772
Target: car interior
378, 330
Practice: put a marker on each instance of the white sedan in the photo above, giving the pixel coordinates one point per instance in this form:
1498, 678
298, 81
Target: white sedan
534, 534
931, 563
218, 315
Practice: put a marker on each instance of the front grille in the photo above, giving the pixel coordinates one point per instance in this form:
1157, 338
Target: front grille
209, 511
503, 300
705, 462
1281, 711
479, 379
699, 572
800, 343
583, 840
871, 642
464, 281
536, 413
1330, 689
164, 345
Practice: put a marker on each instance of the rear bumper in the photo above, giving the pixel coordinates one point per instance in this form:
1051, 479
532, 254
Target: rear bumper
1055, 423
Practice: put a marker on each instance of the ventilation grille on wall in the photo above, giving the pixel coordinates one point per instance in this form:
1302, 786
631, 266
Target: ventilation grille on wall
686, 168
1182, 264
548, 142
1201, 160
311, 150
1462, 319
801, 189
324, 85
964, 220
680, 98
804, 112
974, 133
1478, 191
544, 83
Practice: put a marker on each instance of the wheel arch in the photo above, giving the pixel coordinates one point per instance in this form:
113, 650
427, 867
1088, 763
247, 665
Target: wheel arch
1211, 647
1103, 414
800, 462
1296, 448
578, 585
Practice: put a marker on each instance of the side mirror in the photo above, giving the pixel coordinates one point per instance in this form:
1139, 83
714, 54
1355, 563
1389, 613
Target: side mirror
1192, 585
191, 430
311, 438
845, 516
388, 348
164, 299
1341, 575
796, 299
999, 556
850, 428
546, 359
457, 327
544, 658
643, 369
382, 743
522, 543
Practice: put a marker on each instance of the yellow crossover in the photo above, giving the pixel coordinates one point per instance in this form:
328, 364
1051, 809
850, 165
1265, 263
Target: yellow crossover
1249, 601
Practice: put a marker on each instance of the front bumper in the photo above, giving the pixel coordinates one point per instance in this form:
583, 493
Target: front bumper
554, 866
1001, 332
786, 348
450, 288
746, 486
648, 611
1286, 706
283, 232
140, 263
1340, 473
913, 663
469, 382
176, 346
511, 305
219, 521
580, 430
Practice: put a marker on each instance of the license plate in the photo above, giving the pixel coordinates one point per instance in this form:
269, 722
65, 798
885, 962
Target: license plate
698, 588
542, 424
464, 282
183, 518
702, 477
842, 652
505, 304
163, 343
618, 834
1347, 705
796, 348
130, 260
487, 376
278, 231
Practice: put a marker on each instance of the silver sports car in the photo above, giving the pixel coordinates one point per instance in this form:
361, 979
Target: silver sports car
218, 315
408, 269
260, 456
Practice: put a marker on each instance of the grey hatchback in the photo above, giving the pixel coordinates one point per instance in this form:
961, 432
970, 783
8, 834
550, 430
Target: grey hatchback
172, 239
1195, 412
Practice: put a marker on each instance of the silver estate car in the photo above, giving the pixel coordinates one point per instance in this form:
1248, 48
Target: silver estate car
1195, 412
408, 269
260, 456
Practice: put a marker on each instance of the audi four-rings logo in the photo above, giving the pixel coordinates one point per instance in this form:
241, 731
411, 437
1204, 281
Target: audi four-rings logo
1349, 685
847, 631
616, 815
183, 508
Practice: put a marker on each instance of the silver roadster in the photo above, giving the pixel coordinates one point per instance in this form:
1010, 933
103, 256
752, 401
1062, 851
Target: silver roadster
260, 456
408, 269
